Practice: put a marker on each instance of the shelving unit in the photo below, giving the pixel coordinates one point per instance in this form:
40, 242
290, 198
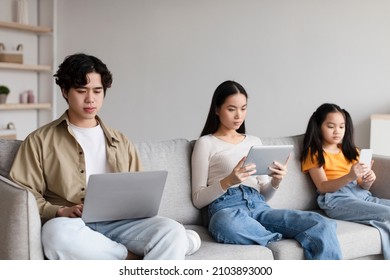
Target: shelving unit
36, 71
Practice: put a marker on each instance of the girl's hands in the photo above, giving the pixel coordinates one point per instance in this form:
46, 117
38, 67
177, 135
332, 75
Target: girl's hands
358, 170
70, 212
239, 174
363, 174
368, 178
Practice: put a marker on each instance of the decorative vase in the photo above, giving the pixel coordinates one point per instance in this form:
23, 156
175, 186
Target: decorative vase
3, 98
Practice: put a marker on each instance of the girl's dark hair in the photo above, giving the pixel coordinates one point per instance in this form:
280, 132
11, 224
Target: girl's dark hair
312, 141
223, 91
72, 72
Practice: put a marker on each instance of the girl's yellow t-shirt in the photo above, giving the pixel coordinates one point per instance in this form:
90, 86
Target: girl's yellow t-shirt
336, 165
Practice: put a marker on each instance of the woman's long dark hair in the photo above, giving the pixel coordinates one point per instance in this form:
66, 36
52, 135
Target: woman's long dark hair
222, 92
312, 141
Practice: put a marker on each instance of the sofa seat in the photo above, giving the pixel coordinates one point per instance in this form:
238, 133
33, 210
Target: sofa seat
210, 250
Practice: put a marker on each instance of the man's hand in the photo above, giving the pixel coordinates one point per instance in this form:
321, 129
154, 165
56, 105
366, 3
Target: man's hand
70, 212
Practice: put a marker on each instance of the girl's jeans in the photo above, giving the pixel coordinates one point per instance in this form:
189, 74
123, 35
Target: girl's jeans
352, 203
241, 216
154, 238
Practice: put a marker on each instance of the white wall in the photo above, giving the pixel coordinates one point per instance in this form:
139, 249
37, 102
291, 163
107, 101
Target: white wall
168, 56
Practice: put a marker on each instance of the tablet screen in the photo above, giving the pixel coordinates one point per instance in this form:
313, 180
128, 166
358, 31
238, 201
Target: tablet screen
264, 156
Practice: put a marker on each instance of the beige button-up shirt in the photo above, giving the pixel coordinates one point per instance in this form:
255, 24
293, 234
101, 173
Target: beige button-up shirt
51, 164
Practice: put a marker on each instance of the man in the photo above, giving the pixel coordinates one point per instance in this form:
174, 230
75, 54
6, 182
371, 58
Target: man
55, 161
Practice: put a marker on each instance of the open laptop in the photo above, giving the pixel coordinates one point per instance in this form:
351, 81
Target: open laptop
119, 196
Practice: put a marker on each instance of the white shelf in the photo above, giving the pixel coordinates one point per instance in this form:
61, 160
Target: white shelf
25, 67
28, 106
7, 134
25, 27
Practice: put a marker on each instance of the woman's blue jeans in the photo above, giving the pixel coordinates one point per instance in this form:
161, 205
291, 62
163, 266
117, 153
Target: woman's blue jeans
241, 216
352, 203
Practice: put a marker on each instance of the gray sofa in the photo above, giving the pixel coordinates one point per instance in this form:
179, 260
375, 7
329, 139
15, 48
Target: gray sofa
20, 223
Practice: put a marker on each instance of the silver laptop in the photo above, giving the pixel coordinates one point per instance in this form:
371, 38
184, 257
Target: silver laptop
118, 196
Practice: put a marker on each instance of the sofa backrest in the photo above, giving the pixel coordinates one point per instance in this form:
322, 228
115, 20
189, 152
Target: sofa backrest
296, 191
175, 157
8, 149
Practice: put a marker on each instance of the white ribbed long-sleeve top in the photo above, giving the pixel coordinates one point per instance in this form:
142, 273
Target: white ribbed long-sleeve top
214, 159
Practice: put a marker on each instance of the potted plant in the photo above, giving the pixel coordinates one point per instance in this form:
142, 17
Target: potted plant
4, 91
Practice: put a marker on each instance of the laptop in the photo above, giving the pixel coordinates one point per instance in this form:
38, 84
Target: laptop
119, 196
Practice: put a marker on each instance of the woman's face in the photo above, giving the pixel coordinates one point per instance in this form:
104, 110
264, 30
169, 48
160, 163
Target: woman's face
232, 113
333, 128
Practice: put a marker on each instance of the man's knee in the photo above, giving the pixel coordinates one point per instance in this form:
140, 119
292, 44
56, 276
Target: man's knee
57, 235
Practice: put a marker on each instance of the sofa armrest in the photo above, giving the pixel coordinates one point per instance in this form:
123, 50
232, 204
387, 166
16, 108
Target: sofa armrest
20, 231
381, 167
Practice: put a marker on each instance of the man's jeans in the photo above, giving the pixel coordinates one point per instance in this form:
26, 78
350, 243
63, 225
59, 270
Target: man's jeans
352, 203
241, 216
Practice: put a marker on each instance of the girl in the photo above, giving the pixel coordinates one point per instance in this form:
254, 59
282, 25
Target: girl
331, 158
236, 201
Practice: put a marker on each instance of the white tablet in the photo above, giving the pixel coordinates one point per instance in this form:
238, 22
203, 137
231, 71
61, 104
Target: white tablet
264, 156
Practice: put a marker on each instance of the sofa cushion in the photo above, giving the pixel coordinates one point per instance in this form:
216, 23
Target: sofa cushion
211, 250
296, 191
8, 149
348, 234
358, 241
175, 157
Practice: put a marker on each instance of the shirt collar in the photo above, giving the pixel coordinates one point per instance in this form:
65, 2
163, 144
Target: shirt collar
108, 132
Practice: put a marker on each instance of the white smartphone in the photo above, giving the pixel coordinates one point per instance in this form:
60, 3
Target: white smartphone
366, 157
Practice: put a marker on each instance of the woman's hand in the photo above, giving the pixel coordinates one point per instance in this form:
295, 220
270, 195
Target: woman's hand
239, 174
70, 212
278, 172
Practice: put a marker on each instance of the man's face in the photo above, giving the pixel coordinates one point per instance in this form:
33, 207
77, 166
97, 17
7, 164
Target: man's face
85, 102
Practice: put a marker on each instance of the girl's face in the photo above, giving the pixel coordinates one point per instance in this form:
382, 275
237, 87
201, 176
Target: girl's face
232, 113
333, 128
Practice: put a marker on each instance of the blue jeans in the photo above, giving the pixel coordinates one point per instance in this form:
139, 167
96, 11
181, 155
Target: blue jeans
352, 203
155, 238
241, 216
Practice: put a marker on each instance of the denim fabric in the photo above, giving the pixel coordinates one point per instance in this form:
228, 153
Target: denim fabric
154, 238
352, 203
241, 216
